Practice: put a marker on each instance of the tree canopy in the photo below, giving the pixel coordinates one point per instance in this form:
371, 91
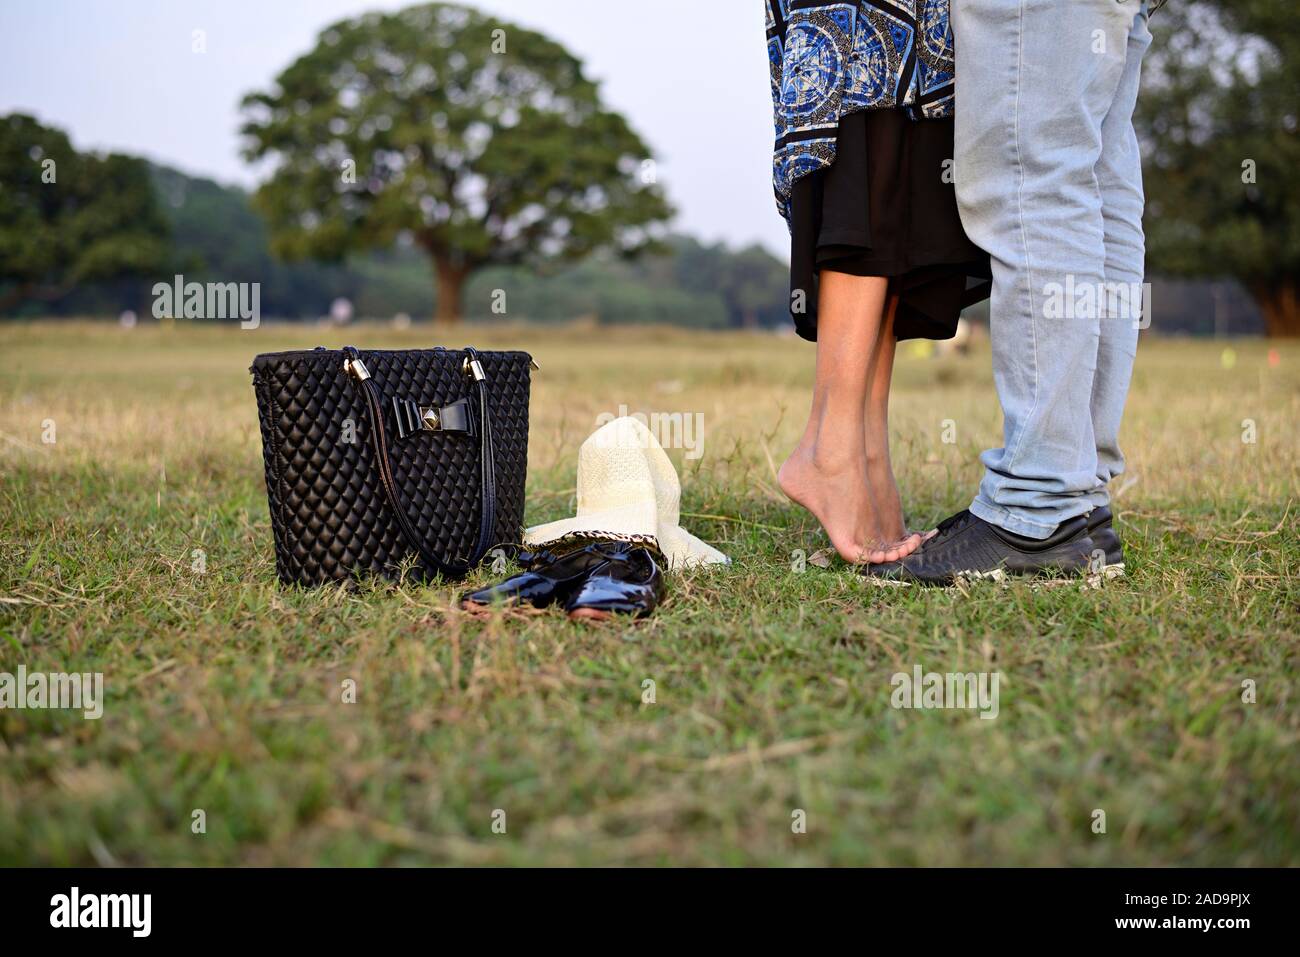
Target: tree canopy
68, 218
1218, 120
482, 141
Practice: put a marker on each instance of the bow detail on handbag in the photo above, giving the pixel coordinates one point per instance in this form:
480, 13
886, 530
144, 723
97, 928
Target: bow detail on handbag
472, 368
412, 417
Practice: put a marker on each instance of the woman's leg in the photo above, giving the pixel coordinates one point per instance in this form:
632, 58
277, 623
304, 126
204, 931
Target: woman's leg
880, 472
827, 473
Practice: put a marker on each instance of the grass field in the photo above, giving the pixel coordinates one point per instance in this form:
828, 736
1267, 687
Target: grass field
772, 684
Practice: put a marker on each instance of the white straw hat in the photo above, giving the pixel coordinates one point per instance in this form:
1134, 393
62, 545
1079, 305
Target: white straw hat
627, 487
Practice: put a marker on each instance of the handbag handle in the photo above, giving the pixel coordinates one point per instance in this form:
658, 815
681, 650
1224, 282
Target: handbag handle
473, 368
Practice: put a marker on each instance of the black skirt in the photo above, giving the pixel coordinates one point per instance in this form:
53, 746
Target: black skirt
886, 207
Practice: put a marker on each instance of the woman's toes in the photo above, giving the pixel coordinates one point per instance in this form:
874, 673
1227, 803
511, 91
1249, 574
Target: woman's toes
850, 553
897, 551
866, 555
889, 553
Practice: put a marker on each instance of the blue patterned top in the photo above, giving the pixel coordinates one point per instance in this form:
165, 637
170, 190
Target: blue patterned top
832, 58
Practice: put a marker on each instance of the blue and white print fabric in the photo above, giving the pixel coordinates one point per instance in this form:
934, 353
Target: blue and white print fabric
829, 59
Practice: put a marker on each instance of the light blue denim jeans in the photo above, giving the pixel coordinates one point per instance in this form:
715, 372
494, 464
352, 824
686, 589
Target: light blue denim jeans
1049, 182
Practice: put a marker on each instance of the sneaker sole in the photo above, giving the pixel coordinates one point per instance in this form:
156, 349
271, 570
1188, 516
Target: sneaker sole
1002, 577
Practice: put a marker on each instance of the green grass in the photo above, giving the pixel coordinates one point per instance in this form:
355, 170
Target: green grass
772, 685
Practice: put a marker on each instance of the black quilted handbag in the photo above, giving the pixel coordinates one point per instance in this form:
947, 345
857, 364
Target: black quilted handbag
381, 460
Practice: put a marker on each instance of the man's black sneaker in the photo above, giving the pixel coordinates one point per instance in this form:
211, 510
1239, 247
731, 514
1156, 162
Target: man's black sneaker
966, 546
1105, 539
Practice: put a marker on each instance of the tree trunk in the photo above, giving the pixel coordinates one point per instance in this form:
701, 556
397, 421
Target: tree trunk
448, 288
1280, 304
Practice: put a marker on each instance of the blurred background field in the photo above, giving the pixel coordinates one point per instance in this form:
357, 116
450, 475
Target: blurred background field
772, 683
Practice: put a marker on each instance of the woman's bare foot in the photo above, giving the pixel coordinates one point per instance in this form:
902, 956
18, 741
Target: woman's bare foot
880, 473
883, 490
828, 473
835, 489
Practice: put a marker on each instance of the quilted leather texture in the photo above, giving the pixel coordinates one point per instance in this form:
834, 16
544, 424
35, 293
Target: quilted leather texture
329, 513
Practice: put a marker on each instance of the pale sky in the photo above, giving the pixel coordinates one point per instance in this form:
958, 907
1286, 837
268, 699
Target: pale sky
691, 75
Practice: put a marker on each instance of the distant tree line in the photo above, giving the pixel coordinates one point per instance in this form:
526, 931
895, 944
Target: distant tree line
439, 142
210, 232
69, 219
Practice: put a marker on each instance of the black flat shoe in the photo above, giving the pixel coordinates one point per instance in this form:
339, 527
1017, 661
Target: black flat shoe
546, 580
630, 583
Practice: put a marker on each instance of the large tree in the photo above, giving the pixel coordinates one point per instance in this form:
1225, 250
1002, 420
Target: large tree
480, 140
69, 218
1218, 120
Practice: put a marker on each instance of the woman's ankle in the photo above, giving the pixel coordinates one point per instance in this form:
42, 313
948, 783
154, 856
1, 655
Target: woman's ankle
836, 459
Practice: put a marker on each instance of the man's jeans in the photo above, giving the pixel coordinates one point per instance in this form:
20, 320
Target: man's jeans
1049, 182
